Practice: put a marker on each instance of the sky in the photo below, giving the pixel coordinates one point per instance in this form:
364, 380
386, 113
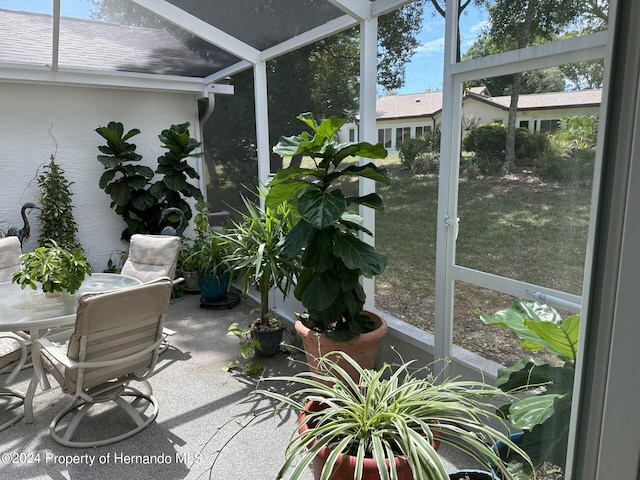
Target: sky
424, 72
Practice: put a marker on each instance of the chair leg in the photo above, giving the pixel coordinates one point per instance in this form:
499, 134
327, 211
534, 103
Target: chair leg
65, 436
8, 393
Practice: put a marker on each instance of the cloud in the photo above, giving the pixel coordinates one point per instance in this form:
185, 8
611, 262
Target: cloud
431, 47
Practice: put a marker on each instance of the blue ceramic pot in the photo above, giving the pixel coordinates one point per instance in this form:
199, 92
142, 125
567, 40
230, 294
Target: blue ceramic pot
213, 288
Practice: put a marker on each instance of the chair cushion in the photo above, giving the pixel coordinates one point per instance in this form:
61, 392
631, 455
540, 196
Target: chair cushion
152, 257
10, 252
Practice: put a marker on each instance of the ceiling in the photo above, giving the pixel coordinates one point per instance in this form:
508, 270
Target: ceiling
203, 42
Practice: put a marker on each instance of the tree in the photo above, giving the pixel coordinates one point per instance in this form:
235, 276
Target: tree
440, 7
520, 23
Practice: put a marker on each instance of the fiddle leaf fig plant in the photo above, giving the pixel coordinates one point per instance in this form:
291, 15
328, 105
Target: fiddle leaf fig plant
326, 235
544, 413
133, 195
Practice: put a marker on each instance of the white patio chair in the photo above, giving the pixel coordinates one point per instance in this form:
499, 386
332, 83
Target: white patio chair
152, 257
10, 252
13, 349
116, 339
13, 355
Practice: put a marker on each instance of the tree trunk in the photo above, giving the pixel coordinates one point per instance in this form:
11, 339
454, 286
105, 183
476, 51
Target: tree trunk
510, 148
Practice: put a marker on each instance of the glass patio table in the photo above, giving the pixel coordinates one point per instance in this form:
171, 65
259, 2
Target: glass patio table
28, 312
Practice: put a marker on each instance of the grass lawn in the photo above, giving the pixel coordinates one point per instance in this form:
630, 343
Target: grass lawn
514, 226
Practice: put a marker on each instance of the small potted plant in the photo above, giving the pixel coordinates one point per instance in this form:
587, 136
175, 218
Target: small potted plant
326, 236
389, 424
255, 253
55, 268
543, 413
209, 258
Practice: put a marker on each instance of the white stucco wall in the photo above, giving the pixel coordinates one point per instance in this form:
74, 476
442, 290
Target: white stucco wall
28, 111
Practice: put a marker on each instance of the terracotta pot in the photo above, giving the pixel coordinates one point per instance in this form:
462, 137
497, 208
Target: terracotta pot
362, 349
346, 463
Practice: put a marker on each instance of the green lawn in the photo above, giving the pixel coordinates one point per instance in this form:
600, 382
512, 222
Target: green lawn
514, 226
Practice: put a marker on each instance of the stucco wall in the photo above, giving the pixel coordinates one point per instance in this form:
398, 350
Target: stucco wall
72, 114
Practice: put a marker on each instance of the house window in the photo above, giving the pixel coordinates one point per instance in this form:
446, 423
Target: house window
422, 130
403, 134
524, 124
384, 137
352, 135
549, 125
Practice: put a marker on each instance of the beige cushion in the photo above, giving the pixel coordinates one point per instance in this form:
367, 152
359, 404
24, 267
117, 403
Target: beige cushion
152, 257
10, 252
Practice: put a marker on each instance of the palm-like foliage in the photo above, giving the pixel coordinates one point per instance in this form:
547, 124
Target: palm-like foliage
391, 414
255, 244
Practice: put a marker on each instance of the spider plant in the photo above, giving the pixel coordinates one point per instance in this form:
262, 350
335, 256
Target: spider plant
392, 415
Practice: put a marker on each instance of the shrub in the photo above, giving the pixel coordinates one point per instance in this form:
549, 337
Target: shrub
410, 149
427, 163
576, 166
486, 140
580, 132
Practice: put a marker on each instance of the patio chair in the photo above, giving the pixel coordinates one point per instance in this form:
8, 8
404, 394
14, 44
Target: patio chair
13, 355
115, 341
10, 252
152, 257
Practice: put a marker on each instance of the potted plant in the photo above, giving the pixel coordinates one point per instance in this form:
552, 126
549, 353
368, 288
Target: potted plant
543, 413
56, 208
55, 268
389, 424
326, 236
255, 253
214, 274
187, 260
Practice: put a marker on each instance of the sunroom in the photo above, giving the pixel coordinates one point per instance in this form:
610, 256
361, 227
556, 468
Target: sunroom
67, 67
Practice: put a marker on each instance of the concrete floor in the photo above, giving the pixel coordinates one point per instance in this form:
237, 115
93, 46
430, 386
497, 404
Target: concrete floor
209, 424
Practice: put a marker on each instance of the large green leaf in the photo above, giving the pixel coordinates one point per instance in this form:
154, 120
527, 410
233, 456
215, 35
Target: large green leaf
290, 146
120, 192
562, 339
109, 162
532, 410
142, 170
319, 252
321, 209
175, 182
106, 178
284, 192
371, 200
529, 374
321, 290
363, 149
359, 256
142, 200
297, 238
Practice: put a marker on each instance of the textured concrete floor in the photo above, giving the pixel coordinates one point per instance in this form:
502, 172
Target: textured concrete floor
209, 424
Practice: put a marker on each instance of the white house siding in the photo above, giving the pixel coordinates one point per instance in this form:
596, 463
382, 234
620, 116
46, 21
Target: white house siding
72, 114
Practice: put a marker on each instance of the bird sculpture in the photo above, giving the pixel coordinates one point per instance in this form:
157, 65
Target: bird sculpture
25, 231
169, 230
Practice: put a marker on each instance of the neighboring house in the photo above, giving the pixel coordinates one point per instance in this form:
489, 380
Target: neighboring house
400, 117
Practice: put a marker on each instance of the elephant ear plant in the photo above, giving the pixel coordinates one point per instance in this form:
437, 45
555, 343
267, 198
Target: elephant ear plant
333, 257
544, 413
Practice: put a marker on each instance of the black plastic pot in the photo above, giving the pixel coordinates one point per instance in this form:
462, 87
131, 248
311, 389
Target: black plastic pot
471, 474
269, 341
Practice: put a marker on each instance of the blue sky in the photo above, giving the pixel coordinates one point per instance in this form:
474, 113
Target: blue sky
422, 73
426, 67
